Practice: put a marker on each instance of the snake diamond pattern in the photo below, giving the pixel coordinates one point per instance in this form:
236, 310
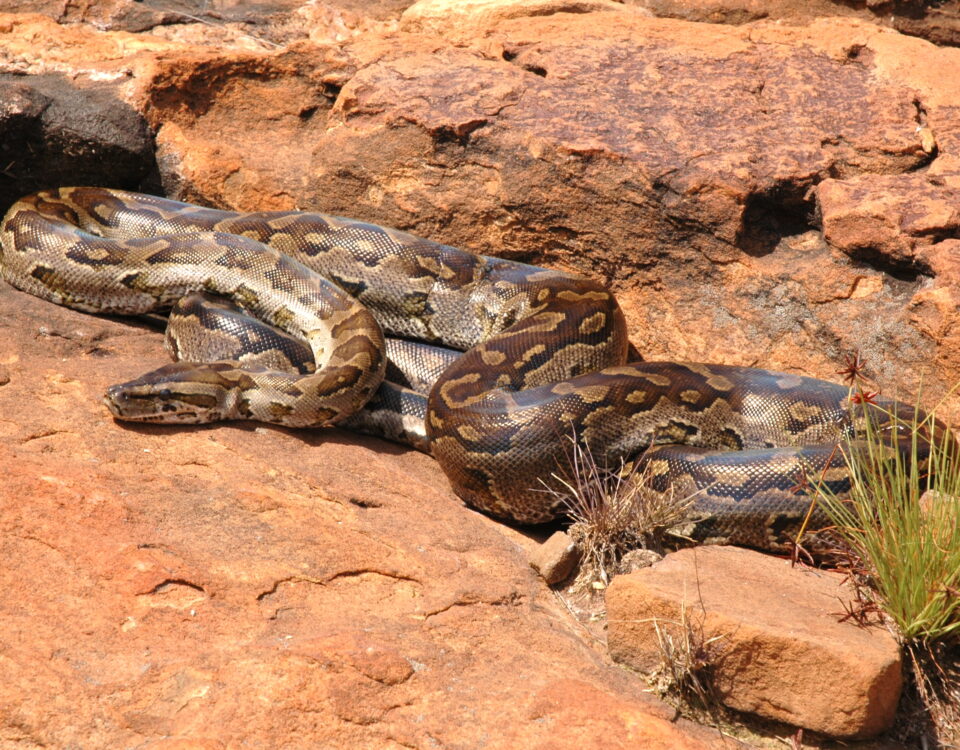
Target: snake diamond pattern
516, 358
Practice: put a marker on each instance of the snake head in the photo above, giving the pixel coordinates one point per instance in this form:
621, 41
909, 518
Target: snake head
906, 427
180, 393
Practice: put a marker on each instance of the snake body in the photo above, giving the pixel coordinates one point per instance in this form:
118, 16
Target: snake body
544, 356
49, 251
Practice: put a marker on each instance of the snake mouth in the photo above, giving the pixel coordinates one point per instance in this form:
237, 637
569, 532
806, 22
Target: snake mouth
138, 402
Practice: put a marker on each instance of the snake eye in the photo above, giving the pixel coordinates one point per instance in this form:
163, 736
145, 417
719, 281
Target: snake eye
166, 394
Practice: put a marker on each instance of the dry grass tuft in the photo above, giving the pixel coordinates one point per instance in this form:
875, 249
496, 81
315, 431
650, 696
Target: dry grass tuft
687, 657
614, 511
936, 680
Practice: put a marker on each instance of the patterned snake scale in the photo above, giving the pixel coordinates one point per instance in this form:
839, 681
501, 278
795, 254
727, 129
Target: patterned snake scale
544, 356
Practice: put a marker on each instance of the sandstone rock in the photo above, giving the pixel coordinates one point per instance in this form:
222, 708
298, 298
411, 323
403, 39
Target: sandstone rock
937, 22
271, 26
120, 15
730, 11
558, 149
32, 44
115, 15
333, 588
891, 217
934, 308
556, 558
460, 19
236, 24
782, 651
244, 585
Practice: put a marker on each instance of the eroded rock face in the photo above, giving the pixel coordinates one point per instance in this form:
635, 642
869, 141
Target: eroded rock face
263, 24
581, 139
938, 22
762, 194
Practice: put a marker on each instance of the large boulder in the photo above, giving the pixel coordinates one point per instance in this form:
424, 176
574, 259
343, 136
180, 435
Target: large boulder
774, 637
708, 202
714, 204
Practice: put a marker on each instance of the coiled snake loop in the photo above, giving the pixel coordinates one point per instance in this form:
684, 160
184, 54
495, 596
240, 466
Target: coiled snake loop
544, 355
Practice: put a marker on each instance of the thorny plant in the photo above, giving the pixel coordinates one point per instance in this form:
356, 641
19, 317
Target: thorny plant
854, 376
613, 509
901, 527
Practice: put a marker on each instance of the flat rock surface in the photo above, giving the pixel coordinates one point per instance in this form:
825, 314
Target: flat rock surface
780, 645
939, 22
756, 193
261, 587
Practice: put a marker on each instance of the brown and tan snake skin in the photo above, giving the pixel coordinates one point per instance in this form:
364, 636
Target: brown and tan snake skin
544, 356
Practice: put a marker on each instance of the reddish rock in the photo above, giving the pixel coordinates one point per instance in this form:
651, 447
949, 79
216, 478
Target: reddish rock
723, 11
938, 22
683, 163
580, 140
556, 558
933, 309
226, 22
781, 650
568, 153
104, 14
465, 19
247, 585
891, 217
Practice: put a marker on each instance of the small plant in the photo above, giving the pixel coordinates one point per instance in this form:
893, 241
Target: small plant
613, 510
906, 533
901, 521
936, 672
687, 657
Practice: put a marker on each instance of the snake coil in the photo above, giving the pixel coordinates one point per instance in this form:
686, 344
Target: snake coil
544, 356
